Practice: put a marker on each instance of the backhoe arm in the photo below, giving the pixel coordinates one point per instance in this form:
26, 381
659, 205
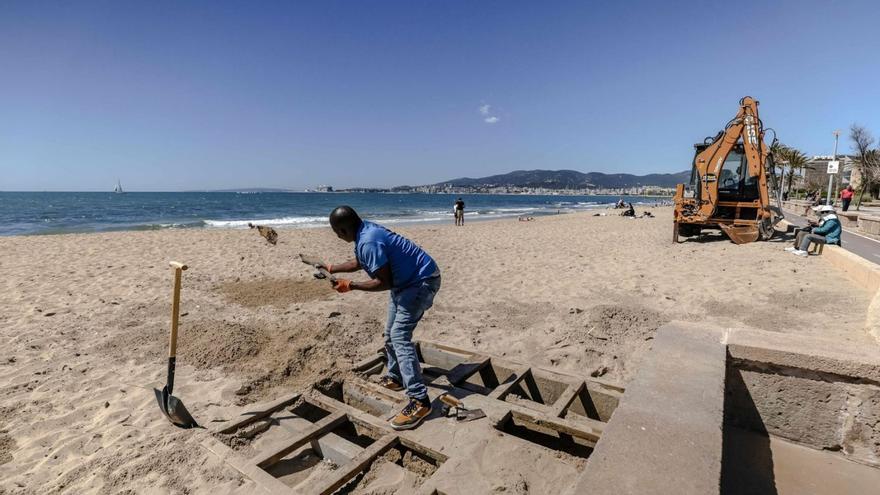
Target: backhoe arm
745, 126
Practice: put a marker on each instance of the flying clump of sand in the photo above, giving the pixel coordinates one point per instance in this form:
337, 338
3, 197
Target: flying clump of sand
85, 322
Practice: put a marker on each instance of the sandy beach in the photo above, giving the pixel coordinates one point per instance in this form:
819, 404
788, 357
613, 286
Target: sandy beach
85, 317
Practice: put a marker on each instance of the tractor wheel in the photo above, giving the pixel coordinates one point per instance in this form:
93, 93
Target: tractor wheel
688, 229
766, 230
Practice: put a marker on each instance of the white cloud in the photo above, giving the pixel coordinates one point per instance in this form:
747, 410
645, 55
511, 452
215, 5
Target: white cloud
486, 112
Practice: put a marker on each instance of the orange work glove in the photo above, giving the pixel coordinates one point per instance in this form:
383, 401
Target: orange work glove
342, 285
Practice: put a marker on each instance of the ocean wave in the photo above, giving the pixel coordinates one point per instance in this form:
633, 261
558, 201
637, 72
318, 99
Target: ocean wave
159, 226
292, 221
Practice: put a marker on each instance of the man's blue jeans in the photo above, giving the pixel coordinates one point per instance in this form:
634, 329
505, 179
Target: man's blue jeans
405, 308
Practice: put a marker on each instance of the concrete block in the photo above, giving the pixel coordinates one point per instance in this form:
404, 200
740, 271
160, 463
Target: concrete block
848, 219
861, 440
858, 269
666, 434
869, 224
810, 412
806, 353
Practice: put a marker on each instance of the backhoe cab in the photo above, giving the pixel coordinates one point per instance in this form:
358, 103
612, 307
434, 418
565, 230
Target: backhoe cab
731, 183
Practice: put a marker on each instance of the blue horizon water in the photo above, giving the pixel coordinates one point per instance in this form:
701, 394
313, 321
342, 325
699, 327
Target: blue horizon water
32, 213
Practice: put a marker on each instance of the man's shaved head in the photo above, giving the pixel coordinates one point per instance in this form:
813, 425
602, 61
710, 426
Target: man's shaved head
345, 222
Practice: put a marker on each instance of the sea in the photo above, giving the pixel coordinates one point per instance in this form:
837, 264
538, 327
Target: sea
30, 213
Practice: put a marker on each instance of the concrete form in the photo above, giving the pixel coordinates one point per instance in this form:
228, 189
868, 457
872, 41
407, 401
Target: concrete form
666, 435
545, 420
710, 411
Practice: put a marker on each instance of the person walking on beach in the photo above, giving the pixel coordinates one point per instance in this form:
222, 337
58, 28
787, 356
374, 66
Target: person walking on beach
846, 197
458, 211
396, 264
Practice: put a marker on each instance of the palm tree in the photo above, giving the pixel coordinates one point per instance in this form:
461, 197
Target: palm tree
795, 159
777, 154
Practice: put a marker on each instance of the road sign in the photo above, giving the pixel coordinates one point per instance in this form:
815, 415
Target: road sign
833, 166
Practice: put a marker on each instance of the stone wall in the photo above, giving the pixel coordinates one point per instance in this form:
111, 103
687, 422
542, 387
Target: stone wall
808, 408
819, 393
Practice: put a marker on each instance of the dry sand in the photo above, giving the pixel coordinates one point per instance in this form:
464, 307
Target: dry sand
84, 323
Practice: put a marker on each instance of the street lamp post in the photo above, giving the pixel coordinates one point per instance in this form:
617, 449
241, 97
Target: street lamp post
831, 176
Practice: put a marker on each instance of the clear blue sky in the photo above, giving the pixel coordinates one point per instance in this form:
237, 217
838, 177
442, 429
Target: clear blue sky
195, 95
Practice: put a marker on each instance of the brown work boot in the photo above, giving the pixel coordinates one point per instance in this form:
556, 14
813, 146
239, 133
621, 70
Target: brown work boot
412, 415
390, 384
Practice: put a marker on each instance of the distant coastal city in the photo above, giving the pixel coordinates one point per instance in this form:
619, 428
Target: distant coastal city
541, 182
507, 189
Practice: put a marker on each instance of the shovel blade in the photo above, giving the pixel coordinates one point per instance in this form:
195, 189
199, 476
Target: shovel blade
173, 409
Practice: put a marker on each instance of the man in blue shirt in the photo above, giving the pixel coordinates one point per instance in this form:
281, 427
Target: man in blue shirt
393, 263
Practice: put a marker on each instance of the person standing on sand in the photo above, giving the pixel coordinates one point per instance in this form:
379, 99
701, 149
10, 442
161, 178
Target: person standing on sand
396, 264
458, 210
846, 196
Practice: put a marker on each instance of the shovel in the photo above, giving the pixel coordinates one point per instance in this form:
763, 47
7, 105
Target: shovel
321, 273
171, 406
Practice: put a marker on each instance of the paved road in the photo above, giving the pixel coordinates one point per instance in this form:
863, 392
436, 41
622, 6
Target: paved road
858, 244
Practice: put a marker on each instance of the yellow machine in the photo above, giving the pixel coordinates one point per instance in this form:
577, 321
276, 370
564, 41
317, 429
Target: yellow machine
731, 183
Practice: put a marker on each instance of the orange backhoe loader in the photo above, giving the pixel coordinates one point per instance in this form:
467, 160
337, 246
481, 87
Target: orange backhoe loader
731, 183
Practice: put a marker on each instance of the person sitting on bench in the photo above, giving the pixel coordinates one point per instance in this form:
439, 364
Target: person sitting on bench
828, 232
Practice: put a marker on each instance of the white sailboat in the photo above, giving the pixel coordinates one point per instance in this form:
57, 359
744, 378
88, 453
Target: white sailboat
118, 188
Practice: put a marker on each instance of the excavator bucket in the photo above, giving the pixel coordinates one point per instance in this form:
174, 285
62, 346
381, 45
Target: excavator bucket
741, 234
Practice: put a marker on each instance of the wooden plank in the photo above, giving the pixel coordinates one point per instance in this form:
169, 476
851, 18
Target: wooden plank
587, 429
330, 446
533, 390
500, 361
354, 415
366, 398
358, 464
274, 454
477, 389
565, 400
368, 363
448, 348
529, 404
556, 376
421, 449
465, 370
374, 388
511, 382
253, 416
268, 483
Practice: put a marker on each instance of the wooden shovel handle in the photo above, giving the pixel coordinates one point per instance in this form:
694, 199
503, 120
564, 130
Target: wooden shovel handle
175, 307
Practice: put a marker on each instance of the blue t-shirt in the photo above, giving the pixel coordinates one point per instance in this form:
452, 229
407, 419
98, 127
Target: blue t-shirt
375, 246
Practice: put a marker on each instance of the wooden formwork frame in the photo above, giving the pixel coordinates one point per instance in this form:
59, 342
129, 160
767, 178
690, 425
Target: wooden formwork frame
461, 364
254, 467
456, 367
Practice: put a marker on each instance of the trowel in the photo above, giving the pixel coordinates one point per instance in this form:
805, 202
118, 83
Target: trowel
455, 408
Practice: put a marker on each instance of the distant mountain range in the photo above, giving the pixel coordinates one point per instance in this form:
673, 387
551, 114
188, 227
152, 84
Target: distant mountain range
569, 179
